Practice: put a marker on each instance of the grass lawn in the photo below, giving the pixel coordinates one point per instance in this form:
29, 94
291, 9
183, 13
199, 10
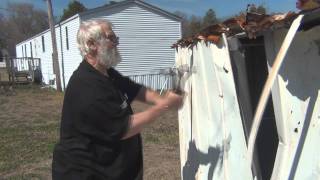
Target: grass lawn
29, 128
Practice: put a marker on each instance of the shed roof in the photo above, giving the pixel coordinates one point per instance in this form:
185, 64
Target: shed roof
252, 24
137, 2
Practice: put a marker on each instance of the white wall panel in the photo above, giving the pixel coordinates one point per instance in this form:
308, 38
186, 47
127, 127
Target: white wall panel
145, 40
212, 138
296, 101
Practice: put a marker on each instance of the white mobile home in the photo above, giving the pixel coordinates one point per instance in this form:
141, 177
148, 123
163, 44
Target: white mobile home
146, 34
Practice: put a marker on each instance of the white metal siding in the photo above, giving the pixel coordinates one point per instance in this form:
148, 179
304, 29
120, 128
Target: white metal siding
297, 105
71, 57
210, 108
212, 140
145, 40
45, 57
154, 81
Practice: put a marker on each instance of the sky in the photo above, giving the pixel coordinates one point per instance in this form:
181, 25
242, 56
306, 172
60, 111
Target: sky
223, 8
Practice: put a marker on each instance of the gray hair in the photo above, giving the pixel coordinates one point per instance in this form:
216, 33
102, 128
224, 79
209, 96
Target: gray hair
90, 30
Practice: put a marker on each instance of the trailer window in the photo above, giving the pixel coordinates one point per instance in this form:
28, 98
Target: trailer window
43, 47
67, 38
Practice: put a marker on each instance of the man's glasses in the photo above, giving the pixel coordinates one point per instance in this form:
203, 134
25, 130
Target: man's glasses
113, 38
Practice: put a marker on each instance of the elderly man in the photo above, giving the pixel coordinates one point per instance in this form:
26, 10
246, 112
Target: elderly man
100, 136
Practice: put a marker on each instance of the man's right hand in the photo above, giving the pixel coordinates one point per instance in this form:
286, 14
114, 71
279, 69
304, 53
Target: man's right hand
161, 103
171, 100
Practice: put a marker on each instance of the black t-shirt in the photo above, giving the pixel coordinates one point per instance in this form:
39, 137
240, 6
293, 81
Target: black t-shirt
95, 116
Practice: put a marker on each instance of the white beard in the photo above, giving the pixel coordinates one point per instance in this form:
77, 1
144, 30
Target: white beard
108, 57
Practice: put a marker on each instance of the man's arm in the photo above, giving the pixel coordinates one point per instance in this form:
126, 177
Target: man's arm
161, 104
149, 96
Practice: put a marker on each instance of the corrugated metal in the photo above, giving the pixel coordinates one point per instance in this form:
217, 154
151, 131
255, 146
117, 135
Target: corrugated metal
212, 140
46, 57
211, 133
71, 57
297, 105
141, 3
154, 81
251, 24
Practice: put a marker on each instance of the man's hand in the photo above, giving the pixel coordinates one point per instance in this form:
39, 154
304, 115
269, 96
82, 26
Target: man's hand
161, 104
171, 100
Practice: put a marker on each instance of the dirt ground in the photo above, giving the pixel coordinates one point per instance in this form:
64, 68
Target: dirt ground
29, 127
161, 147
3, 74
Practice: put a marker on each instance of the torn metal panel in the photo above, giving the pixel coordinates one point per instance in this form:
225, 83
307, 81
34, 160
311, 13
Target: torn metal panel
251, 24
297, 105
184, 57
208, 132
212, 139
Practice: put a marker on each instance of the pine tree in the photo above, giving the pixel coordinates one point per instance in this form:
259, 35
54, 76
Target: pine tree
74, 7
21, 22
209, 19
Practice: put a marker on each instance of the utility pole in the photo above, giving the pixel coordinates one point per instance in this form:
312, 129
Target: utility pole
55, 62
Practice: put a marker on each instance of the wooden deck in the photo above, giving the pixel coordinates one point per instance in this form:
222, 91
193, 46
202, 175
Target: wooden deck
4, 76
20, 70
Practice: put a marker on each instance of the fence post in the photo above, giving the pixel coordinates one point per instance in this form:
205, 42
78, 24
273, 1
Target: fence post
32, 69
12, 73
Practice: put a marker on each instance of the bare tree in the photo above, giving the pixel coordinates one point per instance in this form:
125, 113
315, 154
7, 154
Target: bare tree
184, 23
194, 25
20, 22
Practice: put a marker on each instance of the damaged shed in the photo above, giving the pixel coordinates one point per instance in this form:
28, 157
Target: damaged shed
223, 71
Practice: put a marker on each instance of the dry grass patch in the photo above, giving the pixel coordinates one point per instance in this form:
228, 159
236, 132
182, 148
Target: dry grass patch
29, 128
